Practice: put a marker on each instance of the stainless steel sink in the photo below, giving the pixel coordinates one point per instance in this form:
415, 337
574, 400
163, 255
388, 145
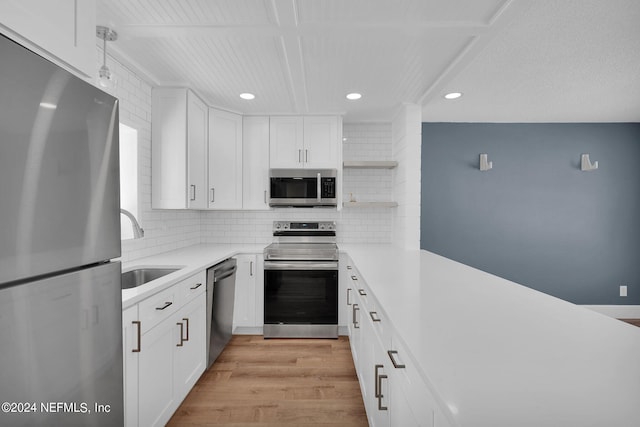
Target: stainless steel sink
140, 276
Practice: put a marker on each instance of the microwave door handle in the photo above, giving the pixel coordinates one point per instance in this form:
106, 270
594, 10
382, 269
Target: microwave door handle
319, 186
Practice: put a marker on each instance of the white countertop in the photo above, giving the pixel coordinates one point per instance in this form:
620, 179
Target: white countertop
189, 260
495, 353
501, 354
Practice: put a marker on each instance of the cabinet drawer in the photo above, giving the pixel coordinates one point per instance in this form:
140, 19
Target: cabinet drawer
191, 287
158, 307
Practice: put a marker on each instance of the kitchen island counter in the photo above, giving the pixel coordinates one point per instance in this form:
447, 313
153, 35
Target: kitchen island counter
496, 353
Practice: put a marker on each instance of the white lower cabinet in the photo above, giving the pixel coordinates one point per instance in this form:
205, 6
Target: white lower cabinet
244, 310
393, 390
165, 351
131, 347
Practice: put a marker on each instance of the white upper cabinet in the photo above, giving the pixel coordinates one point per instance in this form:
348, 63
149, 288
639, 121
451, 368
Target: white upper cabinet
321, 142
225, 160
305, 142
255, 162
197, 133
178, 150
286, 142
62, 30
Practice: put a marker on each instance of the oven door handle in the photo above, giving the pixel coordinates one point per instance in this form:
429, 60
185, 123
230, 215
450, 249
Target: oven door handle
300, 265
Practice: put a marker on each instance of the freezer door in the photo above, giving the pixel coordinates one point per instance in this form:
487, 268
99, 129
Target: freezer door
59, 177
61, 350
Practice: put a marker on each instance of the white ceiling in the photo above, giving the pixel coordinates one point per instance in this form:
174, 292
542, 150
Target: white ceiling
514, 60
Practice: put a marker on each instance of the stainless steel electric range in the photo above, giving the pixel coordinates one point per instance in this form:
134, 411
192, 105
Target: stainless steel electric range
301, 281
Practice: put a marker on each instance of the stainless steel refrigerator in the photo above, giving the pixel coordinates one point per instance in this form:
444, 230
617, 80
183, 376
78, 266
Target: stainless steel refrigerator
60, 296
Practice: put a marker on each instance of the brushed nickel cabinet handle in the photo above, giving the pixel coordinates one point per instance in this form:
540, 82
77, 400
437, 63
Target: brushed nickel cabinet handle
250, 268
374, 316
306, 156
265, 197
196, 286
353, 277
299, 156
362, 292
355, 321
166, 304
380, 395
376, 382
187, 322
139, 324
393, 360
181, 331
193, 192
349, 267
213, 194
348, 294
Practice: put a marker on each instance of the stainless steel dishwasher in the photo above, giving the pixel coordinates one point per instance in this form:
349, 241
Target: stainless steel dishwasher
221, 285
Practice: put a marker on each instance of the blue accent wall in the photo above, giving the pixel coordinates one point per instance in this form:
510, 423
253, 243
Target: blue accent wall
536, 218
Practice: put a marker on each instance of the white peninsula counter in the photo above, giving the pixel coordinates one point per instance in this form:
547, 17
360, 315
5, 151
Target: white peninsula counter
495, 353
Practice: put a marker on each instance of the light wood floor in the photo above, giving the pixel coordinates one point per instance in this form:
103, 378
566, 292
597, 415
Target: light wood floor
277, 382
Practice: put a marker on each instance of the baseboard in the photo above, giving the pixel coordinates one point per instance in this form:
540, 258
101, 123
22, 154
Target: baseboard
617, 311
248, 330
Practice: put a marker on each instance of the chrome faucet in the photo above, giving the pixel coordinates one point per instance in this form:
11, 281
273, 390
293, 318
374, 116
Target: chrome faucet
138, 232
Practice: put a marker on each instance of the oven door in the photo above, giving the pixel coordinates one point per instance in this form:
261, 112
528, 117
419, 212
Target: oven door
300, 293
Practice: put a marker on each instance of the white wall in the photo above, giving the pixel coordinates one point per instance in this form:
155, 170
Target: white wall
407, 141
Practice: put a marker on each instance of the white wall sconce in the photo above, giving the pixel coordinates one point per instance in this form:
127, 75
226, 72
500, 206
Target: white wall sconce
485, 164
586, 165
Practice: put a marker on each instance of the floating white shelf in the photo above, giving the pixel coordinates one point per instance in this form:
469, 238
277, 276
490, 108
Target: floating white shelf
369, 204
370, 164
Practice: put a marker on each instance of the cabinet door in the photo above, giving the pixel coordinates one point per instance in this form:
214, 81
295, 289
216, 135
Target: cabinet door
255, 162
411, 402
155, 373
286, 142
131, 346
169, 149
321, 142
244, 311
66, 29
225, 160
190, 355
197, 125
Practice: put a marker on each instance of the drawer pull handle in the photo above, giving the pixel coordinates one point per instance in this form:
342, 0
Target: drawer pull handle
362, 292
393, 360
166, 304
353, 277
349, 267
348, 294
139, 324
187, 322
377, 383
181, 331
380, 395
374, 316
355, 321
196, 286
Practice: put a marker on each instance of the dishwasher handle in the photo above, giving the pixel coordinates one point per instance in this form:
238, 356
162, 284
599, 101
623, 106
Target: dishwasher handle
223, 274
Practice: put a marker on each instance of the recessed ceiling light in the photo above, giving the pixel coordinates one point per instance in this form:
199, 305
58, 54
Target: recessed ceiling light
453, 95
353, 96
247, 96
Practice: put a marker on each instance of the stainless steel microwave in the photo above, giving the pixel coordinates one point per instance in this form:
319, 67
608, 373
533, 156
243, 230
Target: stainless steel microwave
303, 187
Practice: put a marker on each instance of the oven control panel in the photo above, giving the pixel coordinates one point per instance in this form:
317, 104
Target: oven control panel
304, 226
